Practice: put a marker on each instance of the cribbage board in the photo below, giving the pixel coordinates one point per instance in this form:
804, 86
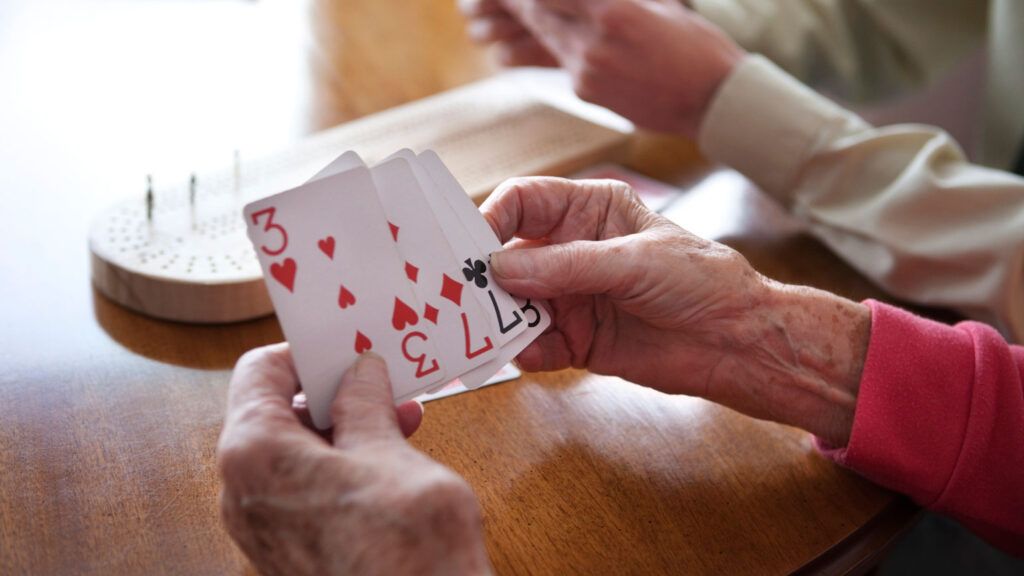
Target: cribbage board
192, 261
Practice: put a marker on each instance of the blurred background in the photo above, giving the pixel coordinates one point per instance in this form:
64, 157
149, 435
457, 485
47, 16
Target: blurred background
111, 90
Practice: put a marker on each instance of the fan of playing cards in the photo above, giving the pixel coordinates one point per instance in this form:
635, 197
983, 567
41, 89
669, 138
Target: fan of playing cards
392, 259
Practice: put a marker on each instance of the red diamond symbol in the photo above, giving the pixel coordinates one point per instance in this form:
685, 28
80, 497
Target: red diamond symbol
430, 313
411, 271
452, 290
394, 231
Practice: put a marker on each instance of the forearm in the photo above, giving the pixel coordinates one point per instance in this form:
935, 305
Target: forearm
796, 357
940, 415
901, 204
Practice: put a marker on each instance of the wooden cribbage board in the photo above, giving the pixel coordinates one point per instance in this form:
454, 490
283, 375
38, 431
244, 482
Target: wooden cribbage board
195, 264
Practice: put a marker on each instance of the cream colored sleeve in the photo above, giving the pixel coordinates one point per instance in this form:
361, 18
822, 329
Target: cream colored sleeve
901, 204
860, 49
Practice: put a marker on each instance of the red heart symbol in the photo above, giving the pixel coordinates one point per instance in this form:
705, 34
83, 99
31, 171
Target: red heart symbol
345, 298
284, 273
403, 316
327, 247
362, 343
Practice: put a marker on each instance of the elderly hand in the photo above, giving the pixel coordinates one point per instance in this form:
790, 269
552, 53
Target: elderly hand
635, 296
363, 502
653, 61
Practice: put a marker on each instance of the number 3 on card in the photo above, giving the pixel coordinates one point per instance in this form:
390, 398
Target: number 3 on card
420, 360
269, 226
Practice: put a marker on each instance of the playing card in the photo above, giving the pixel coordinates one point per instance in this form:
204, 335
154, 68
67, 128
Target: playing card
339, 288
517, 322
503, 310
533, 315
507, 372
462, 321
463, 334
346, 161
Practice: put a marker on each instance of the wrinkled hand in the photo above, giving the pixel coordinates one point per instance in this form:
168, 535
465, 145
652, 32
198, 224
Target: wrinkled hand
363, 501
655, 62
491, 23
632, 294
636, 296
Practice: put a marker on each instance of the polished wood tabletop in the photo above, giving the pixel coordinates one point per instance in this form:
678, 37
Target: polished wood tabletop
109, 419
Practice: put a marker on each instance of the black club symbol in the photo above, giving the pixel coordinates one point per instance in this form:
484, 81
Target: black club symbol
474, 272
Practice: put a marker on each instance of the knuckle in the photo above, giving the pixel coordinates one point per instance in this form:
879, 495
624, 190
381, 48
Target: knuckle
624, 250
617, 17
732, 258
513, 185
623, 191
235, 456
444, 492
261, 357
653, 243
247, 442
454, 490
251, 357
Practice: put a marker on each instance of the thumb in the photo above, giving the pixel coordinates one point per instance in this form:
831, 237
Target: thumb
578, 267
363, 408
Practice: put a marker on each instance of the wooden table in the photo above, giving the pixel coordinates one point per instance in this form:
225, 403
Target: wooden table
108, 420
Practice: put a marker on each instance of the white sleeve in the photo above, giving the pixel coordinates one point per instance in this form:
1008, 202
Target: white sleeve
900, 203
861, 49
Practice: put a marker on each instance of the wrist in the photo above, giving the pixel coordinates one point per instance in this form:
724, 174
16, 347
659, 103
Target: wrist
797, 356
721, 59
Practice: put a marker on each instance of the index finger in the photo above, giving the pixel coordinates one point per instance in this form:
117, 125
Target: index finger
264, 374
260, 422
556, 24
559, 210
262, 387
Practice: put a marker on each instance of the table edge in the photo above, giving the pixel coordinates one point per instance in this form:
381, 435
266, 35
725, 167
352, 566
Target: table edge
878, 535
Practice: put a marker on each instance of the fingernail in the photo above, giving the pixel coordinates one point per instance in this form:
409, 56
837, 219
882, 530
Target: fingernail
512, 264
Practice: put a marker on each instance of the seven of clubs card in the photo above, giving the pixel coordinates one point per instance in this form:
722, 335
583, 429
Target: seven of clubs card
393, 259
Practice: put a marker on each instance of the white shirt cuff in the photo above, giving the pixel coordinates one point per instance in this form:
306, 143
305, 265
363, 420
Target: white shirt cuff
766, 124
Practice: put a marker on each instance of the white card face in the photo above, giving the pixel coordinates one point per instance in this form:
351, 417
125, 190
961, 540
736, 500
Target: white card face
455, 235
462, 331
503, 310
464, 229
538, 321
346, 161
507, 372
534, 315
338, 286
465, 210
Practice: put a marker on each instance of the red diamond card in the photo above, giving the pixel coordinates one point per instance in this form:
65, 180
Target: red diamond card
464, 336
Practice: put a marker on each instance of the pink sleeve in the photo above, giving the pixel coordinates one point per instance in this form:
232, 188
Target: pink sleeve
940, 417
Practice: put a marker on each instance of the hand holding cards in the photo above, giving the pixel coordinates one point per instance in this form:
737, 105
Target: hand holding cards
392, 259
